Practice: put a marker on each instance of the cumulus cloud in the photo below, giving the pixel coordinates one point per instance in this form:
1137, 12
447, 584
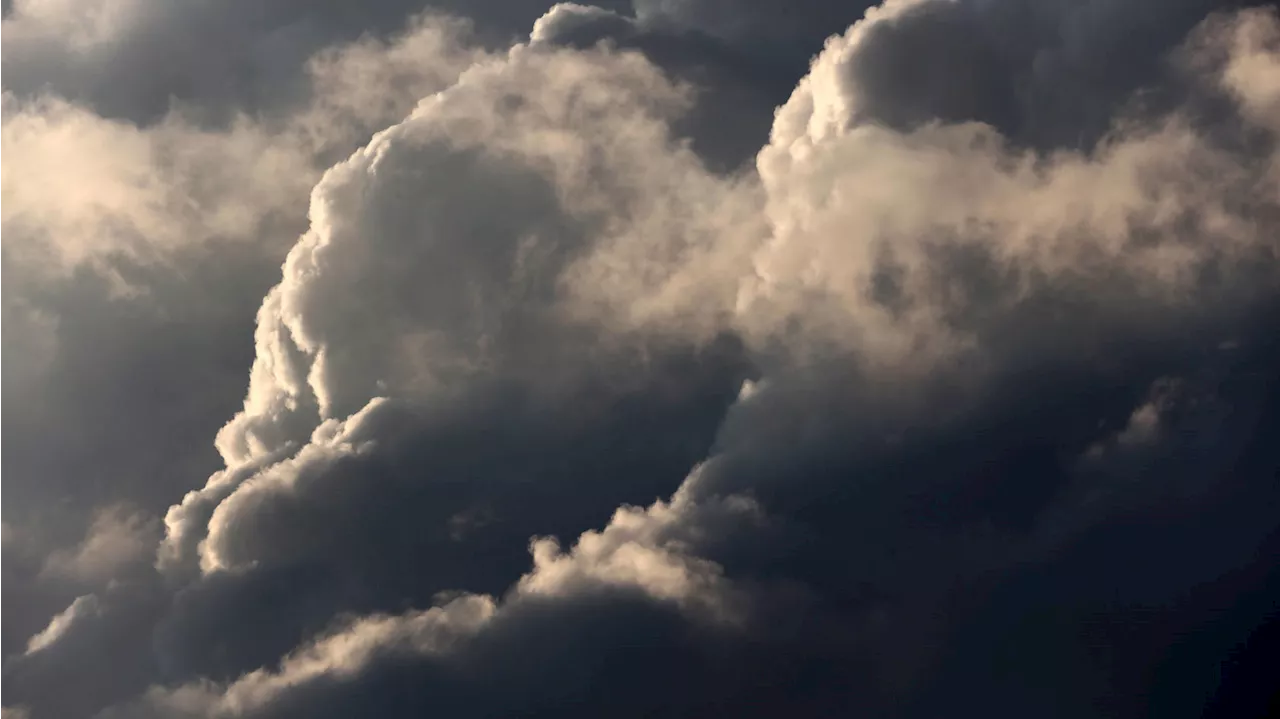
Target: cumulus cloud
474, 354
552, 406
640, 557
134, 257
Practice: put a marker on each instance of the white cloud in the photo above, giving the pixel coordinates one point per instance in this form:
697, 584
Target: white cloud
646, 549
82, 609
561, 141
341, 655
79, 186
874, 241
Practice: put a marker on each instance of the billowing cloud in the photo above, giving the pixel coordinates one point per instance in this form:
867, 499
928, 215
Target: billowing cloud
134, 257
135, 254
553, 409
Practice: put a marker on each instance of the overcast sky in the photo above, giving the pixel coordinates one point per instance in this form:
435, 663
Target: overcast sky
657, 358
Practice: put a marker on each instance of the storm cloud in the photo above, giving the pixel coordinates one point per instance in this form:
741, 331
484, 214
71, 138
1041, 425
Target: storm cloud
659, 360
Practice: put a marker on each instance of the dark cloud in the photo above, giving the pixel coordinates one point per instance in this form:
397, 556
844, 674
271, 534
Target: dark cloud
1050, 74
790, 32
736, 88
133, 59
134, 259
562, 405
98, 645
545, 471
113, 352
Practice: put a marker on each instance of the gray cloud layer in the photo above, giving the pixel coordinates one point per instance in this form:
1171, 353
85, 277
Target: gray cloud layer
593, 384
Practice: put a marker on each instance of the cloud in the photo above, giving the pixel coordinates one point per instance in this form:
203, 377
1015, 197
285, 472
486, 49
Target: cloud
555, 167
144, 190
637, 560
473, 357
641, 549
548, 413
337, 657
791, 33
99, 645
778, 433
27, 604
134, 256
846, 254
133, 59
734, 86
1048, 74
82, 607
117, 539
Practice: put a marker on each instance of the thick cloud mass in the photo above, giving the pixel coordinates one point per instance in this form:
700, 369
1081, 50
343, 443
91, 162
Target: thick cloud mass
134, 258
593, 384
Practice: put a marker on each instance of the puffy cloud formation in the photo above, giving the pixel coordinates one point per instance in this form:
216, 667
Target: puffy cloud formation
134, 257
951, 392
111, 230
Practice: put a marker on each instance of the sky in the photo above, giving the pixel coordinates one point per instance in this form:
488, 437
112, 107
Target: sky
660, 358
